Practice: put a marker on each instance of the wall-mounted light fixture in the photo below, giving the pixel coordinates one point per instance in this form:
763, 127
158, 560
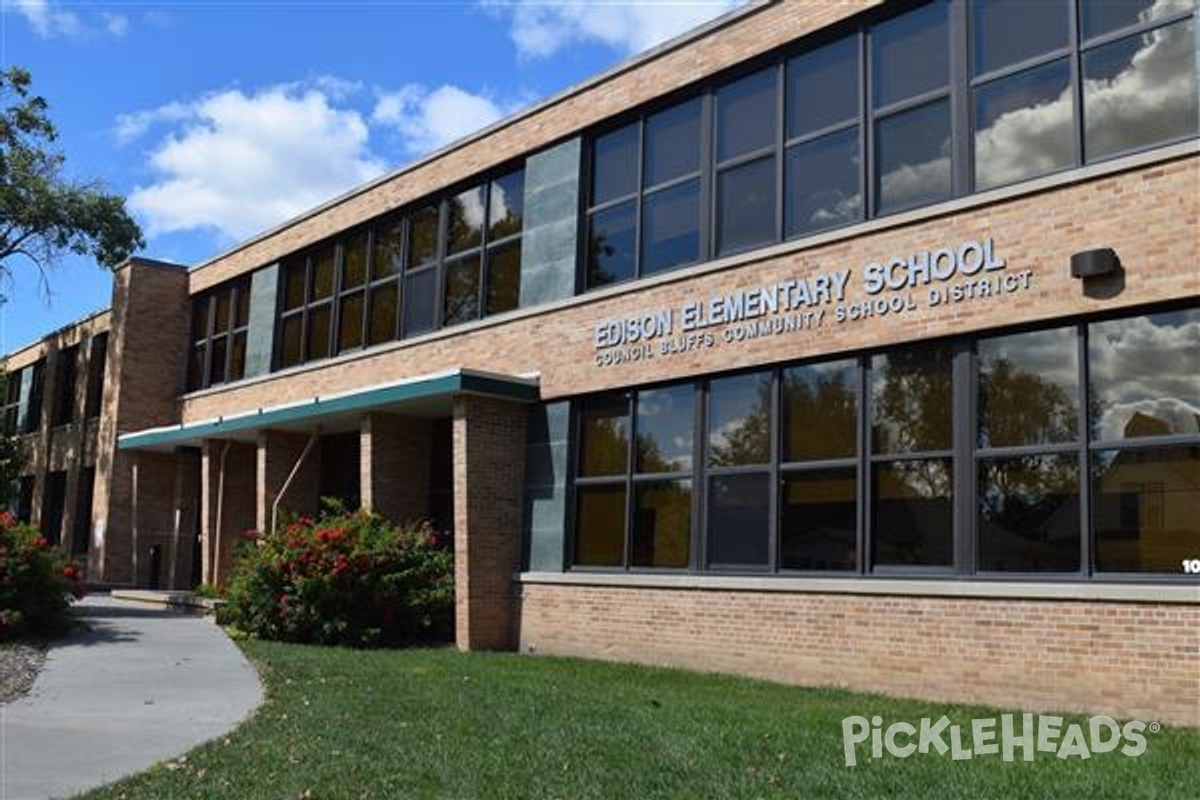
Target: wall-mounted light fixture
1094, 263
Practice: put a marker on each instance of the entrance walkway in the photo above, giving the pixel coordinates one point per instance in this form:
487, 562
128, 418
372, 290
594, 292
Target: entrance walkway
143, 684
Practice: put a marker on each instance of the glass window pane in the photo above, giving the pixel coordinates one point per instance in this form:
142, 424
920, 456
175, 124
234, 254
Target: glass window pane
600, 526
322, 268
912, 398
350, 321
503, 278
318, 343
507, 205
615, 164
200, 318
462, 291
822, 87
1029, 514
354, 261
739, 420
216, 362
746, 206
604, 435
241, 317
671, 227
420, 293
673, 143
739, 520
820, 411
1145, 375
746, 114
423, 236
382, 324
466, 220
1140, 91
293, 284
237, 358
387, 256
665, 421
662, 524
821, 183
913, 513
290, 350
612, 237
819, 520
1104, 16
910, 54
912, 155
1147, 509
222, 307
1029, 388
1024, 125
1010, 31
195, 377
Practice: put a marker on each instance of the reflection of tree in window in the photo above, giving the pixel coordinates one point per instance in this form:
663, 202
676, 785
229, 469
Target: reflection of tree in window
912, 396
745, 436
820, 408
1019, 407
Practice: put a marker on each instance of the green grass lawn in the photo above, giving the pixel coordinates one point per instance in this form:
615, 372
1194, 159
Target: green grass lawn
437, 723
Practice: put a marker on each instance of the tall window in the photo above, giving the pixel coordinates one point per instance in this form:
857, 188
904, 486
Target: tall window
97, 361
645, 204
988, 455
220, 325
633, 489
64, 385
884, 114
440, 264
37, 387
12, 401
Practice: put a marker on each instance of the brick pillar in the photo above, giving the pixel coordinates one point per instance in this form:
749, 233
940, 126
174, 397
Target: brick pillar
489, 469
278, 453
237, 504
152, 518
187, 517
394, 466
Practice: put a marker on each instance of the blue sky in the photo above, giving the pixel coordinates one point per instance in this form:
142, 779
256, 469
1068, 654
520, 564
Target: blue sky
219, 119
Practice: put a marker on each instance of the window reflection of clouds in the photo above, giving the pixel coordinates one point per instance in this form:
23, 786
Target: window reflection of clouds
1136, 91
1148, 366
1140, 90
1023, 126
665, 420
914, 156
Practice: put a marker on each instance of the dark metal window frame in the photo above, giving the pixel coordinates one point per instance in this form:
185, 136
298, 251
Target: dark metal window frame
206, 304
965, 455
401, 221
66, 381
958, 93
96, 365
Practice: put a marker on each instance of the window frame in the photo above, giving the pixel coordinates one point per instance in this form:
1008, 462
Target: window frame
208, 342
966, 457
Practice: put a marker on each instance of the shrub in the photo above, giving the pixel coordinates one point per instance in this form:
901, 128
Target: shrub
347, 579
37, 583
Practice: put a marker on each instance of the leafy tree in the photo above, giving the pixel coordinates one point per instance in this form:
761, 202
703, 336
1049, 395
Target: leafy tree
44, 215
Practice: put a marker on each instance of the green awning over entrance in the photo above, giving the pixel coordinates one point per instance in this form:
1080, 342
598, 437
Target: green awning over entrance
426, 395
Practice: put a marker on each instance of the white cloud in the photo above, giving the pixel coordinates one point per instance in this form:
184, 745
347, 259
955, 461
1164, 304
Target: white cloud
540, 29
116, 24
239, 163
46, 20
427, 120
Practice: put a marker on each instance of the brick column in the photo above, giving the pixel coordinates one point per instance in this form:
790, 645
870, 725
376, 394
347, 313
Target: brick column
278, 453
394, 466
238, 506
489, 469
187, 517
152, 520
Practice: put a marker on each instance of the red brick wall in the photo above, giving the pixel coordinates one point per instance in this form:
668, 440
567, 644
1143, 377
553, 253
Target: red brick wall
1130, 660
394, 467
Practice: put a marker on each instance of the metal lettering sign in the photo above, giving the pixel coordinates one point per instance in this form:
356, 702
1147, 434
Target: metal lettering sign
893, 286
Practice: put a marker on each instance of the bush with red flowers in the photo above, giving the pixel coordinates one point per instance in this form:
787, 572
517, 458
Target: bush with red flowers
37, 583
347, 579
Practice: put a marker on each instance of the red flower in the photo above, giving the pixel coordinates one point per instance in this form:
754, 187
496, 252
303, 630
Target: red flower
71, 573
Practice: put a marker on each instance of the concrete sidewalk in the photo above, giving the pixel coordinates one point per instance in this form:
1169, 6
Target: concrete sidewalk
143, 684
